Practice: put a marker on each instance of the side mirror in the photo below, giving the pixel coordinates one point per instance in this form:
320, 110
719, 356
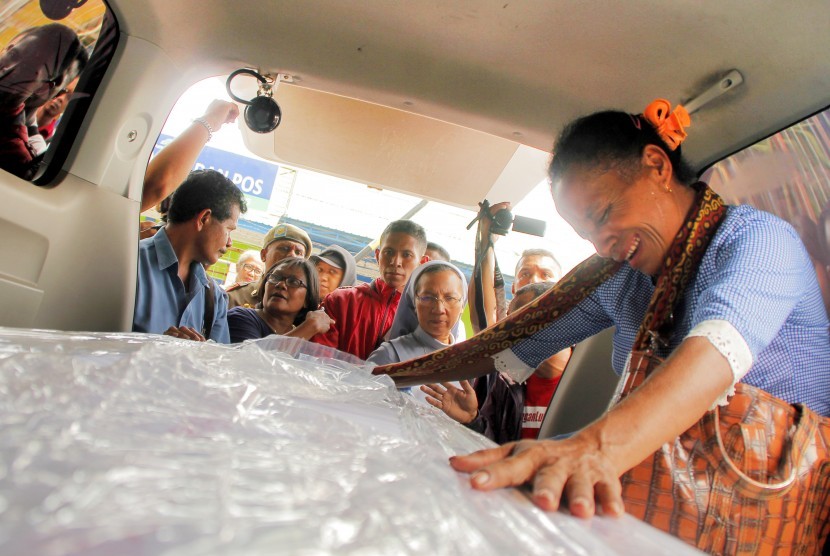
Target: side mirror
262, 113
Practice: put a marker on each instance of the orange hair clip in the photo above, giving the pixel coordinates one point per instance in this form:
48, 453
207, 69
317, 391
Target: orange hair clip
668, 125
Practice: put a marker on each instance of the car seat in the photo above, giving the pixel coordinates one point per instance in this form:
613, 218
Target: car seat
586, 387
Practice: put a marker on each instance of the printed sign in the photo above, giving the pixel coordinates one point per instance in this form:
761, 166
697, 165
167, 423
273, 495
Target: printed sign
254, 177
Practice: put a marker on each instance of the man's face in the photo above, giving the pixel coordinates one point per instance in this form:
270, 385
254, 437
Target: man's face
281, 249
214, 238
533, 269
397, 257
330, 278
53, 108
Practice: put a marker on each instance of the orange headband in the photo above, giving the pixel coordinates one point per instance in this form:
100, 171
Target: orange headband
667, 124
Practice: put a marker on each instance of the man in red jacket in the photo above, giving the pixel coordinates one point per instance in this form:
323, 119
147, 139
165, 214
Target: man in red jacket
363, 314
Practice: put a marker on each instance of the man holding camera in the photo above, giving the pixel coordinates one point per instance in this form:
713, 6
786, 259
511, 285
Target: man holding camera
490, 305
533, 266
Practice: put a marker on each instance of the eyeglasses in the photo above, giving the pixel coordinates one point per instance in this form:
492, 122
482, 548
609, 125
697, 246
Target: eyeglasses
290, 281
433, 301
252, 268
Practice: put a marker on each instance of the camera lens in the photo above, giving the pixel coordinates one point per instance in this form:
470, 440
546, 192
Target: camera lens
263, 114
502, 221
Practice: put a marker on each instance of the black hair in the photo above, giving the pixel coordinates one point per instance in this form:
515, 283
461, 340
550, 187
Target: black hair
312, 281
409, 228
431, 245
64, 57
432, 269
205, 189
536, 288
538, 253
611, 140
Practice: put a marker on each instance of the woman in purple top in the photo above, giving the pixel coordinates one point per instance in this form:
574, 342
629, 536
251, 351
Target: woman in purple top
291, 295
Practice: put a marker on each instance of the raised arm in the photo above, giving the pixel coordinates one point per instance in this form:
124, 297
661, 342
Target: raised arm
172, 164
488, 265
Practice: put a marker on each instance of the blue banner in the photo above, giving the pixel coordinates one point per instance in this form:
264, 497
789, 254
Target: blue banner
254, 177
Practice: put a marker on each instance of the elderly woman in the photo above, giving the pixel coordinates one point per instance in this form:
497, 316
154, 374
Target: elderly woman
290, 298
512, 410
437, 290
249, 267
724, 294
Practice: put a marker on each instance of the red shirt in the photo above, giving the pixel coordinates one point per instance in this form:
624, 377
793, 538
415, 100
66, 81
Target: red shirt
362, 315
16, 155
538, 392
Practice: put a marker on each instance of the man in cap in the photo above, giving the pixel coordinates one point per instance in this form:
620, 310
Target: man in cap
281, 241
335, 267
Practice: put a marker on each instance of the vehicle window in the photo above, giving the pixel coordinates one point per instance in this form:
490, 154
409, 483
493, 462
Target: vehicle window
787, 174
338, 211
53, 55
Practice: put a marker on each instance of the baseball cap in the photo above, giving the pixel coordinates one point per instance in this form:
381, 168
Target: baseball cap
338, 257
332, 257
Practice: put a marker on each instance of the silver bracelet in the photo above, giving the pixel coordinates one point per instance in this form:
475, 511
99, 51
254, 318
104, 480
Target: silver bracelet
207, 127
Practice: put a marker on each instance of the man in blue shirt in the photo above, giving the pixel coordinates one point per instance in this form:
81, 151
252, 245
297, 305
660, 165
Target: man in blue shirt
174, 294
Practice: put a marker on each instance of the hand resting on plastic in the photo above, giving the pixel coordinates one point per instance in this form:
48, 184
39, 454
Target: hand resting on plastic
184, 332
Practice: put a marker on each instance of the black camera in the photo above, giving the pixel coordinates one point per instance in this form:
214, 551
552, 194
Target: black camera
503, 221
262, 113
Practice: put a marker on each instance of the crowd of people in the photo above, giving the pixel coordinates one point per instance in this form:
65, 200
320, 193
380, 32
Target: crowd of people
412, 308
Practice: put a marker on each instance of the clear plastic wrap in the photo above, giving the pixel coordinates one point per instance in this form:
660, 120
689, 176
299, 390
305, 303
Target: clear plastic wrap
125, 444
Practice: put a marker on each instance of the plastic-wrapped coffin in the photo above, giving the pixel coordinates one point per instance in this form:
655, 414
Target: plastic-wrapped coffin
128, 444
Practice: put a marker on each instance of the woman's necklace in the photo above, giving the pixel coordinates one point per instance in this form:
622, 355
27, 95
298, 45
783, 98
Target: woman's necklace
264, 318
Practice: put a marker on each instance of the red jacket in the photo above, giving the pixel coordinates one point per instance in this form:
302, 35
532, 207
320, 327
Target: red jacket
16, 155
362, 316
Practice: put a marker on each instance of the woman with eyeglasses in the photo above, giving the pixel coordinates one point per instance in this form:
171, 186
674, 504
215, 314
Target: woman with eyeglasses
249, 267
291, 295
438, 291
